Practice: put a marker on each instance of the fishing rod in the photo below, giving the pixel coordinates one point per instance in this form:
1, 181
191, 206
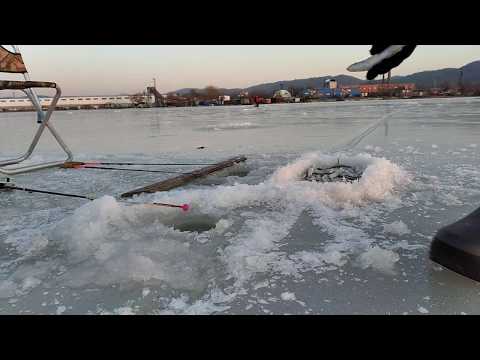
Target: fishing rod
122, 169
94, 165
147, 164
73, 164
8, 185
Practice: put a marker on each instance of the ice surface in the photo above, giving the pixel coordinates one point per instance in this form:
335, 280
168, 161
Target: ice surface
233, 126
7, 289
422, 310
251, 236
106, 242
380, 259
397, 228
110, 243
287, 296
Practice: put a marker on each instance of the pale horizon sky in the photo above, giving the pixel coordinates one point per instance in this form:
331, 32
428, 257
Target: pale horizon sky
108, 69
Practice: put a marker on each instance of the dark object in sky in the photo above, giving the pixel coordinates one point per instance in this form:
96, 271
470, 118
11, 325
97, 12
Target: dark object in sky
457, 246
384, 58
389, 63
201, 147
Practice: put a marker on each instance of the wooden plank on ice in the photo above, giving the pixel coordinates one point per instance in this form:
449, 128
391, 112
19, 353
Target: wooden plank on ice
185, 178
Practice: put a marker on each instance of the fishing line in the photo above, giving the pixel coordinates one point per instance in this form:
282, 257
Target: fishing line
141, 170
10, 186
13, 187
145, 164
357, 139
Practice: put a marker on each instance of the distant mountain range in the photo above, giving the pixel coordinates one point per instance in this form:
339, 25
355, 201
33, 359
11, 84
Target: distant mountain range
424, 79
451, 76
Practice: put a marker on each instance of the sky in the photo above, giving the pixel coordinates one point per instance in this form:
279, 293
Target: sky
108, 69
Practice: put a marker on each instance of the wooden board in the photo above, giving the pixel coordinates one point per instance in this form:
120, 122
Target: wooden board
185, 178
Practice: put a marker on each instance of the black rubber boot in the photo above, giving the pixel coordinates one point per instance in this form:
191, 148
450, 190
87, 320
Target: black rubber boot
457, 246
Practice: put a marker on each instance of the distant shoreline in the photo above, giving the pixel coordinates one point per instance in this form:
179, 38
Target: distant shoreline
4, 110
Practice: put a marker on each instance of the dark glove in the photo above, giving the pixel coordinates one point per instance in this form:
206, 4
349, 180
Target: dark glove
384, 58
389, 63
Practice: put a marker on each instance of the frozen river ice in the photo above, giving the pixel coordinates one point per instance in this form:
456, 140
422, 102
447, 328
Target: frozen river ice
257, 240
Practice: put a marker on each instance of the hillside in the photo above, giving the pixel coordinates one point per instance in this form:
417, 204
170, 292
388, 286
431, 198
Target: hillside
316, 82
423, 79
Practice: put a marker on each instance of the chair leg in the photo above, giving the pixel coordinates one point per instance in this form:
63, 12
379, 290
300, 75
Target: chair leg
44, 123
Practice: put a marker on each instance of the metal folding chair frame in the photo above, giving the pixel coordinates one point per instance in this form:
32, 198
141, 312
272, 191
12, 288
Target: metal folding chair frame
43, 119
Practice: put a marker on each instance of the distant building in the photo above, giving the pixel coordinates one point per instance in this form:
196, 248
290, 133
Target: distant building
372, 89
378, 88
245, 101
355, 92
309, 93
331, 84
222, 99
77, 102
327, 92
282, 95
350, 91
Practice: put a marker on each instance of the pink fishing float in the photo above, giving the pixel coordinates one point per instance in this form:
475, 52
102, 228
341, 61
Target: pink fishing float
184, 207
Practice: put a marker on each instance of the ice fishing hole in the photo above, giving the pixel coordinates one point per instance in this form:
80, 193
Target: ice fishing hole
195, 223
